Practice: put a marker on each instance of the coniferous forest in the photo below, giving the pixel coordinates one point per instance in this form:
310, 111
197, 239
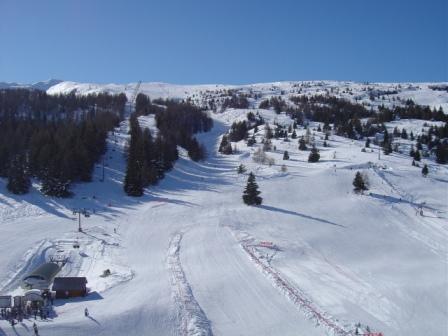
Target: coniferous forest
148, 156
54, 139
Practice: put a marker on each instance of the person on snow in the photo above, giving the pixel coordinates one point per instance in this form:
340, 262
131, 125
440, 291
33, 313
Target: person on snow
86, 312
36, 332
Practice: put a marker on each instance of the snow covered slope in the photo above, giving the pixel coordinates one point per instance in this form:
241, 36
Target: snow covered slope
388, 94
187, 258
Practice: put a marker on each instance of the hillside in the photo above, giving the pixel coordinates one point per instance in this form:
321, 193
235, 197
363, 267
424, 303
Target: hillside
190, 258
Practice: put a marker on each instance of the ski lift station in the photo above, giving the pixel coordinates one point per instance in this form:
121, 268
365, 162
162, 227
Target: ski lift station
42, 276
69, 287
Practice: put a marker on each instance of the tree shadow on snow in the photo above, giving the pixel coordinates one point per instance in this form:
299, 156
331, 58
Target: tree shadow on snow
294, 213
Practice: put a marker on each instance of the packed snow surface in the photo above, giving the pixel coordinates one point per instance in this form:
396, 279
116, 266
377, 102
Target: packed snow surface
189, 258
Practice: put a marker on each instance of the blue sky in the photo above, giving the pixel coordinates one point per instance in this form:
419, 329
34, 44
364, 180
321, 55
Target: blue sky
232, 41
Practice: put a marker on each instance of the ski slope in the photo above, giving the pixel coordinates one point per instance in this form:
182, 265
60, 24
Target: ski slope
186, 259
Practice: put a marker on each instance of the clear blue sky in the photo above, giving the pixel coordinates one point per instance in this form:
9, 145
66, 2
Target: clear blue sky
232, 41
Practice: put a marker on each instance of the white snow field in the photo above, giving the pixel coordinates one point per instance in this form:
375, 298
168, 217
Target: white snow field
189, 258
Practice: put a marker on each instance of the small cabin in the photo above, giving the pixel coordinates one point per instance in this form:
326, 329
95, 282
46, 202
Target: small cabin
66, 287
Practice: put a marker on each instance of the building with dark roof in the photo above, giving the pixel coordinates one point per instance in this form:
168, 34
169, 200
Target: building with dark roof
42, 276
70, 287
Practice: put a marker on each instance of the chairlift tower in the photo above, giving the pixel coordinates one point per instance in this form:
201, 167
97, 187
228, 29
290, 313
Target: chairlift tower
80, 212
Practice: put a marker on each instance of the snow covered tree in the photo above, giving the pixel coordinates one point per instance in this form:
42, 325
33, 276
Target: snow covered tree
267, 145
251, 193
285, 155
294, 134
314, 155
425, 170
359, 183
18, 178
307, 136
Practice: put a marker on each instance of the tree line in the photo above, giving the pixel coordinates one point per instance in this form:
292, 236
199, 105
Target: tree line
148, 157
55, 139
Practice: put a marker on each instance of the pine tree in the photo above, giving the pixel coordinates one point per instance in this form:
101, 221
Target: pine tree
425, 170
285, 155
18, 178
226, 146
133, 181
359, 183
417, 156
294, 135
241, 169
314, 155
251, 141
442, 153
251, 193
268, 132
387, 148
302, 144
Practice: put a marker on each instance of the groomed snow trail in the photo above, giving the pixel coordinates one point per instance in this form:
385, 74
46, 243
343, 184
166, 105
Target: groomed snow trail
193, 321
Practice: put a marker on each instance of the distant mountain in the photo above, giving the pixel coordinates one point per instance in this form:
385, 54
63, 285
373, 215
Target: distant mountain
43, 85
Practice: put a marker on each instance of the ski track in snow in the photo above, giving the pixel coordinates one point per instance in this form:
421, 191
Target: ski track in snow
193, 321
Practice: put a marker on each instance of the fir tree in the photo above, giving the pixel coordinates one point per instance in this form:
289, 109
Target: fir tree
359, 183
294, 134
241, 169
314, 155
302, 144
225, 147
251, 141
251, 193
442, 153
18, 178
417, 156
425, 170
285, 155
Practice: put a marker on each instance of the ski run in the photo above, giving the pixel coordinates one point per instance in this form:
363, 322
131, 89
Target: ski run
190, 258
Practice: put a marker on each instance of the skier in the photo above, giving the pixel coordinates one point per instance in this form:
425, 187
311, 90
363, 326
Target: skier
36, 332
86, 312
